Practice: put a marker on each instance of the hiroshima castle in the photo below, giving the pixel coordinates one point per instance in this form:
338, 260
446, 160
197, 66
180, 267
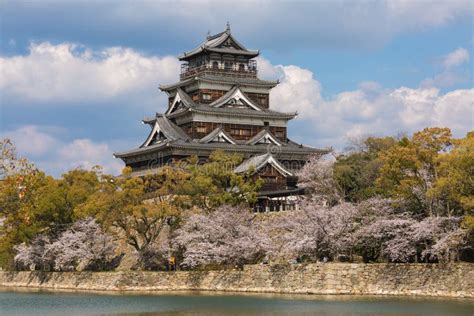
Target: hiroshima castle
221, 104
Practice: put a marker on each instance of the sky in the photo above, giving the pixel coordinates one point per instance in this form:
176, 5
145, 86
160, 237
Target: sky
77, 77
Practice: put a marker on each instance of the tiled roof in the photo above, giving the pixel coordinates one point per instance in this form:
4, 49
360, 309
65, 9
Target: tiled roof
171, 130
235, 93
290, 148
180, 97
246, 112
214, 134
264, 133
258, 162
163, 126
259, 148
229, 50
217, 109
140, 150
221, 79
213, 42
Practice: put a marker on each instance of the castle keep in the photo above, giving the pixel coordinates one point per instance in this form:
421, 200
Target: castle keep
220, 104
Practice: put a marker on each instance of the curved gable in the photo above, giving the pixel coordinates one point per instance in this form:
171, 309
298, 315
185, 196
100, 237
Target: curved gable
264, 137
218, 136
258, 162
235, 98
181, 100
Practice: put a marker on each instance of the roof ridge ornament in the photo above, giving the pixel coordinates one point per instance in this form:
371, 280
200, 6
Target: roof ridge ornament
227, 28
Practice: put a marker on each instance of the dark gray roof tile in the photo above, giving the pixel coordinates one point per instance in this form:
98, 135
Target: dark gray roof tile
213, 43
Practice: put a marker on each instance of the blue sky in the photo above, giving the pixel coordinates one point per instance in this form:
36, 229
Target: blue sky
76, 78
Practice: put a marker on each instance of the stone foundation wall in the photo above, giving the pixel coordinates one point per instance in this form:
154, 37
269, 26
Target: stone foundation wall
452, 280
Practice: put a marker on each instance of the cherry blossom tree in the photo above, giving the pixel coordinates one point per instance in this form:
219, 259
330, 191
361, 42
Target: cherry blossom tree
319, 231
440, 238
227, 236
34, 256
317, 177
83, 246
387, 232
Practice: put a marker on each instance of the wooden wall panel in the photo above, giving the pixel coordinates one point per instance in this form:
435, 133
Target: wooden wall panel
237, 131
261, 99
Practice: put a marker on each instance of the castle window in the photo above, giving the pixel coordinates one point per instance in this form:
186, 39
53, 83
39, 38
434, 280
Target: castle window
270, 179
201, 129
215, 65
241, 67
206, 96
240, 131
280, 134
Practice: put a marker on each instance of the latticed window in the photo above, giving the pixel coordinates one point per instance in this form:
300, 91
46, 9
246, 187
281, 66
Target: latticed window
240, 131
201, 129
270, 179
280, 133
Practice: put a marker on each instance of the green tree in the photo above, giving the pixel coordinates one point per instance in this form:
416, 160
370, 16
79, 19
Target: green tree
138, 208
409, 169
19, 183
356, 172
454, 185
32, 202
215, 183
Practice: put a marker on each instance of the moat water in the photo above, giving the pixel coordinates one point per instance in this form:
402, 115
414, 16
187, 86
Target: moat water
48, 303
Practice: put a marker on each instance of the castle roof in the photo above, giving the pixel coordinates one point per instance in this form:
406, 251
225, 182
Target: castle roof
166, 129
172, 136
258, 162
242, 81
265, 137
223, 43
242, 106
218, 135
235, 94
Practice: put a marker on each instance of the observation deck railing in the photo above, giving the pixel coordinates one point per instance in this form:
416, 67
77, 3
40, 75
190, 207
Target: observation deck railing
241, 70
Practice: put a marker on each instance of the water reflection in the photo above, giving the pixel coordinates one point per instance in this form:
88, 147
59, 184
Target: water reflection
40, 302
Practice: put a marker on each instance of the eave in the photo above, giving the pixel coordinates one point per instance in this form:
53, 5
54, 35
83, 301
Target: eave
234, 112
220, 80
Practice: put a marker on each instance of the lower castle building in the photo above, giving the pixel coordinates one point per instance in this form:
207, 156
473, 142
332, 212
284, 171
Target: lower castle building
220, 104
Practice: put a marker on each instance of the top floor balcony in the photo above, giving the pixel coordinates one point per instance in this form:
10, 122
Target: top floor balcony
234, 69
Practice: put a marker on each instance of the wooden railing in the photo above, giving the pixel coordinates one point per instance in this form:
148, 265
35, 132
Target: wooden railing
250, 71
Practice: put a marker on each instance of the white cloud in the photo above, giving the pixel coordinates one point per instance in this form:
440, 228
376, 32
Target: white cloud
370, 109
452, 73
43, 146
446, 78
86, 154
455, 109
31, 140
456, 58
423, 14
71, 73
298, 91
